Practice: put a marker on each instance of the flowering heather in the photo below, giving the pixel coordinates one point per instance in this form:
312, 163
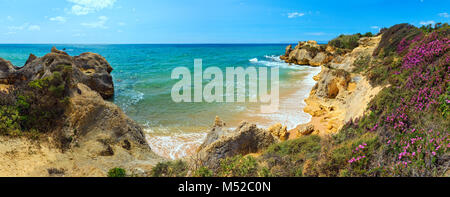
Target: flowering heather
419, 148
359, 151
405, 43
427, 80
426, 51
412, 148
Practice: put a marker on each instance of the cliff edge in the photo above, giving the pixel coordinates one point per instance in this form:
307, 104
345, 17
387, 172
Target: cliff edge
340, 94
65, 127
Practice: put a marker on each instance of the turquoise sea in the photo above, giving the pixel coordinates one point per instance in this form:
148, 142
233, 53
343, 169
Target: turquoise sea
143, 84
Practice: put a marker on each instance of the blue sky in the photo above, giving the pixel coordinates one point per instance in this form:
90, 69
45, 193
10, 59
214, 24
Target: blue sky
206, 21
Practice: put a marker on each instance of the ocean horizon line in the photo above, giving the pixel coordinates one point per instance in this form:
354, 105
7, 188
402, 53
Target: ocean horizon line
268, 43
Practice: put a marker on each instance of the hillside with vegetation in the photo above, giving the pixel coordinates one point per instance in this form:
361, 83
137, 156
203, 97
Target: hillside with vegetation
404, 130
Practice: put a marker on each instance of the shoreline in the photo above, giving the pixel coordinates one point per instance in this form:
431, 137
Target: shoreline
181, 145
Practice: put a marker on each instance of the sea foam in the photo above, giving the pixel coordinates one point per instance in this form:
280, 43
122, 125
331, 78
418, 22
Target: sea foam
175, 146
275, 61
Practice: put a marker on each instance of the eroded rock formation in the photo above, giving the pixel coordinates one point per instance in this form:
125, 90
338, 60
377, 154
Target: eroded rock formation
279, 131
246, 139
340, 94
88, 68
308, 53
95, 135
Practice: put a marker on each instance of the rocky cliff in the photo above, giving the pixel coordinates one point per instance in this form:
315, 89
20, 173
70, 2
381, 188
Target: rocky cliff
340, 94
308, 53
87, 136
220, 144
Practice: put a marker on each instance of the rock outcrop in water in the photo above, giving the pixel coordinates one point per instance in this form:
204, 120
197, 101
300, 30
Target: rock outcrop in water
308, 53
93, 136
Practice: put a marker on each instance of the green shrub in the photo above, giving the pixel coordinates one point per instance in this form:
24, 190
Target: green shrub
117, 172
170, 169
335, 161
43, 101
238, 166
368, 34
37, 106
287, 159
393, 36
382, 71
361, 64
203, 172
9, 121
346, 41
265, 172
438, 26
308, 146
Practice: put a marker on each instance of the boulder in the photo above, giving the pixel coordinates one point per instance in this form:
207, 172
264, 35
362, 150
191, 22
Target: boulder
279, 131
301, 56
30, 59
319, 59
246, 139
331, 82
54, 50
306, 129
216, 133
96, 73
288, 50
6, 71
90, 119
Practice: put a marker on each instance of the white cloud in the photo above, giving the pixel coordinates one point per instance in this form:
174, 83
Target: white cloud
375, 27
295, 14
9, 18
34, 28
444, 14
26, 26
121, 24
18, 28
83, 7
59, 19
98, 24
427, 22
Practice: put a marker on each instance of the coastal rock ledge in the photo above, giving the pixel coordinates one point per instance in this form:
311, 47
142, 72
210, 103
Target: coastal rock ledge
90, 137
308, 53
246, 139
88, 68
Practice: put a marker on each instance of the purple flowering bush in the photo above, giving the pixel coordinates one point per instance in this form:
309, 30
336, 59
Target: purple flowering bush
409, 116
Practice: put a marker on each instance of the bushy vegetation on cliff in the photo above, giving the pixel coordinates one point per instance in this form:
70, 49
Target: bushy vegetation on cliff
348, 42
410, 116
405, 130
37, 106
